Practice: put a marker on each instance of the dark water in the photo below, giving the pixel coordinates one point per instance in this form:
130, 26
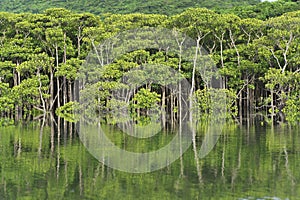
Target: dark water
246, 163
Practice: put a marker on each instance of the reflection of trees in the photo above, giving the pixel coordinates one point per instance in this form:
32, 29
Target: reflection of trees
44, 166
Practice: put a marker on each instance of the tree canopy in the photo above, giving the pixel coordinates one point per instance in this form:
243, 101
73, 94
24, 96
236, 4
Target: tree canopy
168, 7
40, 55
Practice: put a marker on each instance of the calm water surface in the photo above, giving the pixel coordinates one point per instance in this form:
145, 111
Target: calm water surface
246, 163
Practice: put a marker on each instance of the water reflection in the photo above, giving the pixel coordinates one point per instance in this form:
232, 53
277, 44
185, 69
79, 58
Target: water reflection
47, 161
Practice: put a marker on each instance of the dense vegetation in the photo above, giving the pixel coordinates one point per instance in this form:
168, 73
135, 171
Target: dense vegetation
264, 10
244, 8
167, 7
40, 55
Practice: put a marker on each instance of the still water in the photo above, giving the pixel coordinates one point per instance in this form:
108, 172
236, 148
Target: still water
247, 163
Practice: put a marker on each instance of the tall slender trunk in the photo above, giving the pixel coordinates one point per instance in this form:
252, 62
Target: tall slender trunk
70, 94
241, 107
76, 90
65, 48
64, 78
79, 42
20, 114
57, 78
58, 92
163, 109
248, 101
180, 112
172, 109
272, 107
193, 78
51, 89
15, 75
52, 133
223, 81
251, 101
41, 93
64, 91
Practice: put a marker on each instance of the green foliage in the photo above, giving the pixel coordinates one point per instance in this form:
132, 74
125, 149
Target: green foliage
265, 10
6, 70
145, 99
292, 110
122, 7
30, 93
35, 65
67, 111
6, 100
41, 55
145, 106
69, 69
6, 122
6, 104
204, 98
285, 86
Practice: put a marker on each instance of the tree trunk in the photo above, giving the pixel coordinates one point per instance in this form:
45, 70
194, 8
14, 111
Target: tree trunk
248, 102
172, 109
65, 49
41, 93
64, 91
70, 95
163, 110
64, 78
241, 107
51, 90
15, 84
58, 92
193, 79
57, 78
272, 107
78, 42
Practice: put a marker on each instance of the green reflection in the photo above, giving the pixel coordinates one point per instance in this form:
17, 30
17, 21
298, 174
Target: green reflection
253, 162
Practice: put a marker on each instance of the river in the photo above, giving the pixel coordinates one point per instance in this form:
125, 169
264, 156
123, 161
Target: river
247, 163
